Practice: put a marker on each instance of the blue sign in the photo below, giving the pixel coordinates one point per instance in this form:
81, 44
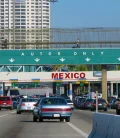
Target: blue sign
97, 74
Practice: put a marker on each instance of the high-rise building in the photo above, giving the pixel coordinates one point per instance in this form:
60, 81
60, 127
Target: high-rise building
24, 21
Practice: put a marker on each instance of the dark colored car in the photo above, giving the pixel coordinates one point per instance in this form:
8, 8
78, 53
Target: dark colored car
102, 105
6, 102
87, 103
80, 103
15, 102
118, 106
112, 102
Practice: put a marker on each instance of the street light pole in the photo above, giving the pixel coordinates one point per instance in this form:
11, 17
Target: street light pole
96, 101
78, 43
53, 1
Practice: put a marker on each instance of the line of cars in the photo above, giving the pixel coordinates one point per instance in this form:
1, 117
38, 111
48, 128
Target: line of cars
85, 103
53, 107
82, 102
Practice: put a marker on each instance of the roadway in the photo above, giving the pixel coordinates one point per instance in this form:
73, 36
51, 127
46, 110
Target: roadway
22, 126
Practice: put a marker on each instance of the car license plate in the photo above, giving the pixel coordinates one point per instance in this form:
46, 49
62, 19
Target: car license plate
56, 115
100, 104
29, 108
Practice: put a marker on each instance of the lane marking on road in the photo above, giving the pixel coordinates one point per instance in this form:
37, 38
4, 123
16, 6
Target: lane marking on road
13, 112
78, 130
7, 114
3, 115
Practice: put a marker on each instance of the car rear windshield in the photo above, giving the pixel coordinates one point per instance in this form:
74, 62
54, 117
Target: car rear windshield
29, 100
4, 98
14, 99
100, 101
81, 99
53, 101
89, 100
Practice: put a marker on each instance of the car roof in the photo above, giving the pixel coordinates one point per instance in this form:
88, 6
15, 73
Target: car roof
29, 98
53, 98
5, 96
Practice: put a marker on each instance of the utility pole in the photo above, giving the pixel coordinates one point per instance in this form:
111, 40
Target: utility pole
53, 1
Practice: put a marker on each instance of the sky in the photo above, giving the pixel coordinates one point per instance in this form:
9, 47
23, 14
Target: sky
86, 13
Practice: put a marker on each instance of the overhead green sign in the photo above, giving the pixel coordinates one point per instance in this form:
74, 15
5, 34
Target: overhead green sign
13, 84
58, 84
25, 85
60, 56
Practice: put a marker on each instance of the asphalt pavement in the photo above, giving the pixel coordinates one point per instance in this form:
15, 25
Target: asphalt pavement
13, 125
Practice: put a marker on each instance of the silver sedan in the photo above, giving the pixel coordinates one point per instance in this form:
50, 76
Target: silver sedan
26, 104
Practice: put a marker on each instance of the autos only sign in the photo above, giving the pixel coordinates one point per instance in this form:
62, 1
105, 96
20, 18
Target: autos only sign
68, 75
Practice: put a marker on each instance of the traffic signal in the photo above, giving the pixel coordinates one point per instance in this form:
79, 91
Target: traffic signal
13, 84
35, 84
81, 84
58, 84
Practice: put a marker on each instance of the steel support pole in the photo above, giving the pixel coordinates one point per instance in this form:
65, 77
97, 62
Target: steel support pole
96, 101
70, 90
111, 87
89, 90
104, 82
117, 88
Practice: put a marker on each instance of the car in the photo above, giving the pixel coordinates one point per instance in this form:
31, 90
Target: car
112, 103
64, 96
6, 102
87, 103
15, 102
52, 108
102, 105
26, 104
80, 102
118, 106
69, 102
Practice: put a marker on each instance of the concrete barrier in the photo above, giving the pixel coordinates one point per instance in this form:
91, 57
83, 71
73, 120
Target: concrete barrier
105, 126
116, 131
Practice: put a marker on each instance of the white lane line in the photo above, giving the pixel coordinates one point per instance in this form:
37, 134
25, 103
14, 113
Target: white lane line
78, 130
3, 115
13, 112
7, 114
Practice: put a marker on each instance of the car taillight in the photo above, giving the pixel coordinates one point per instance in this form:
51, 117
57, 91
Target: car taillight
22, 104
94, 104
105, 104
119, 105
9, 102
56, 109
67, 109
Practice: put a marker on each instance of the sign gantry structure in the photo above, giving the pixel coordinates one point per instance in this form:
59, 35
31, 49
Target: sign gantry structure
81, 46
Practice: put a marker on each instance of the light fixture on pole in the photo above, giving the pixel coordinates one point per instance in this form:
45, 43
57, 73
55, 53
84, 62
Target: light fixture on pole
78, 43
53, 1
